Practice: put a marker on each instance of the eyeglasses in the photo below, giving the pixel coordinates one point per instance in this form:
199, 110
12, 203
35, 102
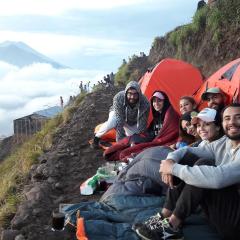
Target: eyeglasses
134, 94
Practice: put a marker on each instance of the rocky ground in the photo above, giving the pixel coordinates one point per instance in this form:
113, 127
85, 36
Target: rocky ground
57, 176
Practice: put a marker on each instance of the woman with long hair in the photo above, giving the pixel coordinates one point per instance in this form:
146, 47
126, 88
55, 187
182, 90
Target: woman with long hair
164, 126
187, 104
187, 131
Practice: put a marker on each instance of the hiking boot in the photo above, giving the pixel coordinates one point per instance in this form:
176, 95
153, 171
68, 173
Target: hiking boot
95, 143
157, 228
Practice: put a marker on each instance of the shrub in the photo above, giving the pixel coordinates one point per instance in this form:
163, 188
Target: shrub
177, 37
122, 74
199, 19
132, 70
174, 38
215, 19
155, 42
225, 13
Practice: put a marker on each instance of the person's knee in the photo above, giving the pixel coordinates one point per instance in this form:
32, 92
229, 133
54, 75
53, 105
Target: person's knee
189, 159
204, 161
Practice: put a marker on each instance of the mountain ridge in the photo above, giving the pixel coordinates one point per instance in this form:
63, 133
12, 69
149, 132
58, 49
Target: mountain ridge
21, 55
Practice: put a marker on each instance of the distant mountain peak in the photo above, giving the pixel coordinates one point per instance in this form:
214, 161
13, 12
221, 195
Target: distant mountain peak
21, 55
7, 43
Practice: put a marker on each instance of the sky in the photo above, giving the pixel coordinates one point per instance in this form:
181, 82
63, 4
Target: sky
91, 37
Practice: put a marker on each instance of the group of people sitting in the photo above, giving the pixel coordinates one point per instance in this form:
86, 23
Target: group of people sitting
202, 167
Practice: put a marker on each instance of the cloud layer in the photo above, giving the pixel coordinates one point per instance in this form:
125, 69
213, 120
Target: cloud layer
92, 35
39, 86
76, 32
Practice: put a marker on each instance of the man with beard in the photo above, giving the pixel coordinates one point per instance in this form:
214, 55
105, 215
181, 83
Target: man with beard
128, 114
215, 98
212, 182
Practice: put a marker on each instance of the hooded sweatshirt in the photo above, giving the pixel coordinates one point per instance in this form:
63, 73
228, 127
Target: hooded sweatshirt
124, 113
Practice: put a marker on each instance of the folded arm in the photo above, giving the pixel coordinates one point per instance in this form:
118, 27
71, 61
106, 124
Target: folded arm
214, 177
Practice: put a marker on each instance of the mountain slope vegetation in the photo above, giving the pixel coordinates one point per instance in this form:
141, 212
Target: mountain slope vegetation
208, 42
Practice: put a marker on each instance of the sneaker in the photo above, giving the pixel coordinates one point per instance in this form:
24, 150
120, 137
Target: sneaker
157, 228
151, 221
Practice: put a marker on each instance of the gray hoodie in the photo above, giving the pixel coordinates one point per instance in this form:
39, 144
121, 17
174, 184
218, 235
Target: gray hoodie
126, 114
226, 171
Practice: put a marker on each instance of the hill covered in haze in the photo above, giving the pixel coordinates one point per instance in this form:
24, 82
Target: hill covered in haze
21, 55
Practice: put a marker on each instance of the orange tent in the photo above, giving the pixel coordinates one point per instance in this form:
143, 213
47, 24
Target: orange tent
227, 78
174, 77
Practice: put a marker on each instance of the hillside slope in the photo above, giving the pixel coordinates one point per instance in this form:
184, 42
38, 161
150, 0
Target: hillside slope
57, 176
210, 41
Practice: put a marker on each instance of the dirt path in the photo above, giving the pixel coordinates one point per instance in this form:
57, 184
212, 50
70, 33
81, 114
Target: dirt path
60, 171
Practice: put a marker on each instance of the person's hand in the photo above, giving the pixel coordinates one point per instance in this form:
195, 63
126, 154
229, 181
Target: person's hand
173, 146
166, 166
168, 179
166, 171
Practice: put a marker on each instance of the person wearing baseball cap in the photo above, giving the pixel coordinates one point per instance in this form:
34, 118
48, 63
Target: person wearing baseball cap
215, 98
211, 182
208, 124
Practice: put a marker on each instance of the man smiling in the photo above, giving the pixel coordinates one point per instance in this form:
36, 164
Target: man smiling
213, 183
128, 114
215, 98
231, 125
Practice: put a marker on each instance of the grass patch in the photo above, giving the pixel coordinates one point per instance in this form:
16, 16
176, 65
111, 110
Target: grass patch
131, 70
178, 37
79, 99
13, 172
200, 19
15, 168
224, 15
70, 110
122, 74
